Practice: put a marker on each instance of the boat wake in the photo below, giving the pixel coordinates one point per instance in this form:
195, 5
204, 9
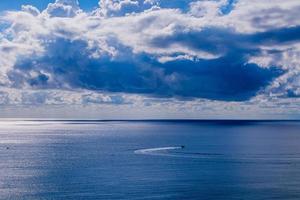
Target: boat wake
173, 151
178, 151
155, 151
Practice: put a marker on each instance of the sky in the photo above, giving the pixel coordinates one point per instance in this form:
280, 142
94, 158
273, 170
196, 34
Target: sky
150, 59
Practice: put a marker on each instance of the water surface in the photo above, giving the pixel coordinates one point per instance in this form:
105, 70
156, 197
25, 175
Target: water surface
149, 160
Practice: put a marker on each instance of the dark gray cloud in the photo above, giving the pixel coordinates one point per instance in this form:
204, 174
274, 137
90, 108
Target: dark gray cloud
229, 77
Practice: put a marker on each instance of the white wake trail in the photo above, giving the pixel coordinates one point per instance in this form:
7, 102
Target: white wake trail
157, 151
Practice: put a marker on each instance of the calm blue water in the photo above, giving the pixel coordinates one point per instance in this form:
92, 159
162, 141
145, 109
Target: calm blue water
110, 160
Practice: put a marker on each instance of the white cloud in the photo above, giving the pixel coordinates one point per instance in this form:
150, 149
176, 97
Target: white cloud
119, 26
115, 7
260, 15
31, 9
63, 8
206, 8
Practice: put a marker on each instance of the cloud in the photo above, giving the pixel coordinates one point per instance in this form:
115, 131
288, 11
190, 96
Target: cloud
103, 99
66, 68
31, 9
4, 98
216, 50
206, 8
117, 7
63, 8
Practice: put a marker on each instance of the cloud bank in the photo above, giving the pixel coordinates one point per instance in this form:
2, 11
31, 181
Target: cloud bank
224, 50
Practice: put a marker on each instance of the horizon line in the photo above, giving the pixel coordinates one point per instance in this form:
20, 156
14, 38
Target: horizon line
141, 120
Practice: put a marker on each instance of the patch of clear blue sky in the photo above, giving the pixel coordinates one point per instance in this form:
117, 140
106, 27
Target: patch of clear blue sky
228, 7
41, 4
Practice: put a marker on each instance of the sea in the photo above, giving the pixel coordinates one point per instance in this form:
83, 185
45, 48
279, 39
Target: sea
149, 159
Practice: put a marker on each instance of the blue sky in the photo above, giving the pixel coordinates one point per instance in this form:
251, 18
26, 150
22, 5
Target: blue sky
42, 4
150, 59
